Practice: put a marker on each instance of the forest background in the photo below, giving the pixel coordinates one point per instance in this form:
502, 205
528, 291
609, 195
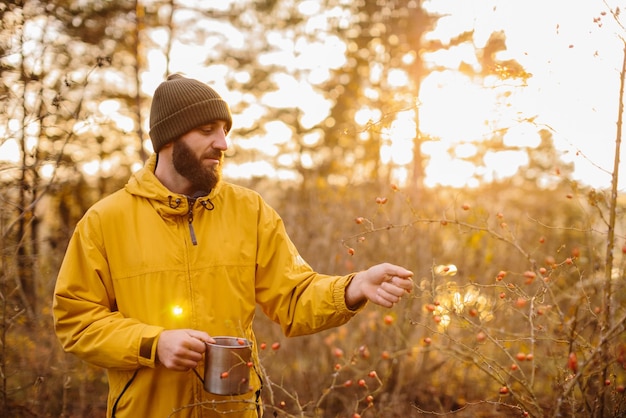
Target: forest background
519, 304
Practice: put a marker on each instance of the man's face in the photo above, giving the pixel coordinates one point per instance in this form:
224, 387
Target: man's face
198, 156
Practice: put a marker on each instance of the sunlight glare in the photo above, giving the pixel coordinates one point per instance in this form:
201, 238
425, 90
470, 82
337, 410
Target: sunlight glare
397, 144
503, 164
47, 171
306, 161
81, 127
465, 150
10, 151
109, 107
309, 7
365, 116
449, 172
453, 108
312, 139
293, 94
91, 168
278, 132
398, 78
136, 166
523, 135
249, 116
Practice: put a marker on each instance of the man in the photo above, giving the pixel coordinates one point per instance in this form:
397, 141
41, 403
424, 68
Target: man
178, 256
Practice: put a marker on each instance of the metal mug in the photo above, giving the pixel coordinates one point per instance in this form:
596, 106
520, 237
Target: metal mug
227, 366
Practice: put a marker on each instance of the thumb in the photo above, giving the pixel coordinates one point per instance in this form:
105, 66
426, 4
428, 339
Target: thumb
394, 270
200, 335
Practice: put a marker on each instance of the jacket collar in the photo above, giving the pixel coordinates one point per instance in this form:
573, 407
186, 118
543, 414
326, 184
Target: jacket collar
145, 184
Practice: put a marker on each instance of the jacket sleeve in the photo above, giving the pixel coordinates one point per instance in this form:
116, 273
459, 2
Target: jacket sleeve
289, 291
86, 320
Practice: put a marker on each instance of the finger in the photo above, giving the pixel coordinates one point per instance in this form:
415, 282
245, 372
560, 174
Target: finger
392, 289
179, 363
393, 270
380, 300
201, 335
183, 365
193, 354
385, 298
406, 284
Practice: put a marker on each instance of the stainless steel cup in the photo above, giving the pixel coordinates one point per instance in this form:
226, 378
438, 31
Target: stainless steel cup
226, 366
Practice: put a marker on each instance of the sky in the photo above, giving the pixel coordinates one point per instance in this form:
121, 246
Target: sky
574, 62
572, 48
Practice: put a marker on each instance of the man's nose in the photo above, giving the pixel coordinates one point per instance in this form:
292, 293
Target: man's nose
220, 142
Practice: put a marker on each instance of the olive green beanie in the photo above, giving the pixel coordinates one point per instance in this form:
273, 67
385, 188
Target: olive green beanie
181, 104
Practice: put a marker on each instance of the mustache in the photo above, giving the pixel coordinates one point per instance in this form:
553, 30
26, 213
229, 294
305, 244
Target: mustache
215, 154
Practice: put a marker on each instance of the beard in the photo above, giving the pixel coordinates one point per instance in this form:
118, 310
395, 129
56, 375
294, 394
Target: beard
202, 178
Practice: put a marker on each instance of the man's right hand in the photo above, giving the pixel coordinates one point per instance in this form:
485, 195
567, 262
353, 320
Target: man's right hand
182, 349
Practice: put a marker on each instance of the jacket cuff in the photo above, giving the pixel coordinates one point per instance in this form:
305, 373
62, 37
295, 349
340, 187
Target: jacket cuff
148, 345
339, 296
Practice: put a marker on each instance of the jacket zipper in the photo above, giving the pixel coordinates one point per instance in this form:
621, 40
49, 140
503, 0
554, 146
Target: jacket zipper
192, 232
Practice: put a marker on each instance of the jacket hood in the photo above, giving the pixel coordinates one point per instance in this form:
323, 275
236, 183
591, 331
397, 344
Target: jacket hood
145, 184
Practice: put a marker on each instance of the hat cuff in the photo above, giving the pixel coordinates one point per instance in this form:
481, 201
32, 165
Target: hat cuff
184, 120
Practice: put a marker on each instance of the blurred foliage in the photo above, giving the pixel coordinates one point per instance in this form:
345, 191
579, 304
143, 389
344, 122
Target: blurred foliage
506, 314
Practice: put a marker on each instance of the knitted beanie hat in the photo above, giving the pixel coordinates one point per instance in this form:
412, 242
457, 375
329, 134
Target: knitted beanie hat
181, 104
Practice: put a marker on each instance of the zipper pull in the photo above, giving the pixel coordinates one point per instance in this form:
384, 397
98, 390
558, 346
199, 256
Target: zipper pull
192, 232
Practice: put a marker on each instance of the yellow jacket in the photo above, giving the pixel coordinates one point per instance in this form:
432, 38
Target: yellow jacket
132, 269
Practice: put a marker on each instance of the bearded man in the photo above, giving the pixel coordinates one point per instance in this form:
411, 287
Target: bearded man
157, 269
